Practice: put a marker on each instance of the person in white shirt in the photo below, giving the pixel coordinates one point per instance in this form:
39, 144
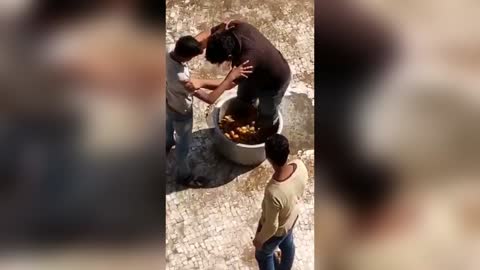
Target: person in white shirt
180, 91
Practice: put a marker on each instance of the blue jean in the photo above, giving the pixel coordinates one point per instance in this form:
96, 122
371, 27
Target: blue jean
182, 125
265, 256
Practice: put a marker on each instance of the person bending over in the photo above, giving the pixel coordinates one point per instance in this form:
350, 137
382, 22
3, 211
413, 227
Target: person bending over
237, 42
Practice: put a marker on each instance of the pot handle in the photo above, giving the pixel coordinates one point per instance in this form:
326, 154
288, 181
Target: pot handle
213, 110
209, 115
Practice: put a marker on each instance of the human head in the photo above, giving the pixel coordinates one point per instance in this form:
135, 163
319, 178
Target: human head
187, 47
277, 150
220, 47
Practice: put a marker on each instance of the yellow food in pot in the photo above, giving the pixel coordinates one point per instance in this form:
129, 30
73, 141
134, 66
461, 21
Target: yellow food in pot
240, 130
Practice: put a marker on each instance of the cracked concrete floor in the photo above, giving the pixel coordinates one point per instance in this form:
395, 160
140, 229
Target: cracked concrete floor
212, 228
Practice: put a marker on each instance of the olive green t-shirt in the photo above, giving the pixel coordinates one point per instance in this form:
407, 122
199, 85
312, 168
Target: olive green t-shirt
280, 206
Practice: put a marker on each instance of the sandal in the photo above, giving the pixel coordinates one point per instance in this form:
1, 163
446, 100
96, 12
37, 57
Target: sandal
278, 256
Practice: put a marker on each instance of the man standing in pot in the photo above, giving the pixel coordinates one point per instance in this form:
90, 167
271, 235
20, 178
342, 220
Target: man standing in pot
237, 42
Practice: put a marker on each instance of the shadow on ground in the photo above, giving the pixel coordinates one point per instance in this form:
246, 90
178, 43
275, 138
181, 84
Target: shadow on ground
206, 161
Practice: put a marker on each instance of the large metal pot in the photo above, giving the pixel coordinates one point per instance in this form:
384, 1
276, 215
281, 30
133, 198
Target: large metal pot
243, 154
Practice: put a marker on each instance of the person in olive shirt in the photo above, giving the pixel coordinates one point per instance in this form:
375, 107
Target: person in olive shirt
280, 209
236, 42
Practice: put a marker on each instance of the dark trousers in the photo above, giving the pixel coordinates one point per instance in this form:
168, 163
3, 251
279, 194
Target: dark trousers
268, 101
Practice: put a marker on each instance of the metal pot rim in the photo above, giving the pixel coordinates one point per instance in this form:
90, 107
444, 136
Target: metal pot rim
216, 119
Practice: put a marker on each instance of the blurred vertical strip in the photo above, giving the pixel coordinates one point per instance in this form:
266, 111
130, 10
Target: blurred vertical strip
152, 16
352, 50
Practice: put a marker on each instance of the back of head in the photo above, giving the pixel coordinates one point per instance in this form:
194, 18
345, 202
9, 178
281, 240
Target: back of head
277, 149
220, 47
188, 47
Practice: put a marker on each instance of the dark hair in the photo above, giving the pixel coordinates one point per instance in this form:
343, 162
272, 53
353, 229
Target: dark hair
188, 47
220, 46
277, 149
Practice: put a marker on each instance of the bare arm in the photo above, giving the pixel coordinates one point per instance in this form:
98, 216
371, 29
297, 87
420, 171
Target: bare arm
204, 35
211, 97
207, 84
226, 84
203, 38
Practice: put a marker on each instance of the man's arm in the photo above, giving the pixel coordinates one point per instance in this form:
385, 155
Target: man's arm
211, 97
224, 26
204, 35
203, 38
270, 225
207, 84
228, 82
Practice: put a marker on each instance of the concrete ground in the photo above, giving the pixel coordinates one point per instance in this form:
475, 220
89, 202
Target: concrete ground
212, 228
